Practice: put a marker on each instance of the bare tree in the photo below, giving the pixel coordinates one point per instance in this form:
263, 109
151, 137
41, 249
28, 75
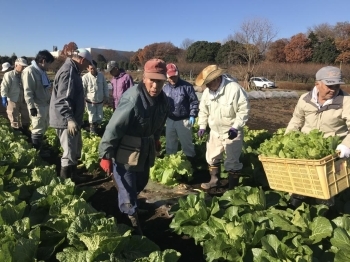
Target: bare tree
342, 30
227, 39
255, 35
323, 31
186, 43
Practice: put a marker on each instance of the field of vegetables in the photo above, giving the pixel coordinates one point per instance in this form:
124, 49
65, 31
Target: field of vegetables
44, 218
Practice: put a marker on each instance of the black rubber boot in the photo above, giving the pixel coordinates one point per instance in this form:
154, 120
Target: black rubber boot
65, 172
25, 130
135, 222
214, 177
191, 159
96, 127
233, 178
75, 177
16, 129
37, 141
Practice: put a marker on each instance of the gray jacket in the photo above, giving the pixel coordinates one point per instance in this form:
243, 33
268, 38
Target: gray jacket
67, 100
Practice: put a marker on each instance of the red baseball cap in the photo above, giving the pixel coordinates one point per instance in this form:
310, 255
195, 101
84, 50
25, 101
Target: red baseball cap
171, 70
155, 69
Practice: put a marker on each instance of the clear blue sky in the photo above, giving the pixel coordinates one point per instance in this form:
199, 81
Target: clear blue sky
32, 25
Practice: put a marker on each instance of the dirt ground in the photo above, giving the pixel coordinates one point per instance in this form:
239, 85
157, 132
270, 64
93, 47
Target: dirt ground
269, 114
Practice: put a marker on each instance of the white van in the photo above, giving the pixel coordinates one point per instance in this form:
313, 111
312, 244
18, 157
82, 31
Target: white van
262, 82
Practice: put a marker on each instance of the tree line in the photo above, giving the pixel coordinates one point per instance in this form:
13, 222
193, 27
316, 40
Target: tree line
322, 44
253, 45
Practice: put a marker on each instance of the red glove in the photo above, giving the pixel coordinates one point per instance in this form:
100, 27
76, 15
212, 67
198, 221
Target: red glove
107, 165
158, 145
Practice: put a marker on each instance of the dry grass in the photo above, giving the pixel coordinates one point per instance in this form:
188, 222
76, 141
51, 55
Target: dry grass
294, 86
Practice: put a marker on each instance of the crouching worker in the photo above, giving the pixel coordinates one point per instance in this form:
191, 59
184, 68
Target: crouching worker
326, 108
132, 137
225, 107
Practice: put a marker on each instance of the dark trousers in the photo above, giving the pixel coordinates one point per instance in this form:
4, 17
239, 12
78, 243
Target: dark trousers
130, 184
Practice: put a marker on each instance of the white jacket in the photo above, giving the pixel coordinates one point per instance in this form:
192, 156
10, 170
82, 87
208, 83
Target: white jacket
229, 108
95, 87
11, 85
35, 94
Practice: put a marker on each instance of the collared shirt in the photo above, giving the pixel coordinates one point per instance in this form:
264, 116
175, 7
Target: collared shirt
315, 98
214, 94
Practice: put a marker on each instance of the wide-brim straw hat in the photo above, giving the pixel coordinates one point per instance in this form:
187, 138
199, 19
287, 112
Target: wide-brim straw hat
208, 74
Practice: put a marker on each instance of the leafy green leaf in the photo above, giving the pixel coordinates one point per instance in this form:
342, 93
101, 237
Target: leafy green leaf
341, 239
320, 228
168, 255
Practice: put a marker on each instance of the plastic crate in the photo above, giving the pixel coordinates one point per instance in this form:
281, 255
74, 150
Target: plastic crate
322, 178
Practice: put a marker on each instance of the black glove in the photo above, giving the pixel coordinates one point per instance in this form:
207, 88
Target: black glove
232, 133
33, 112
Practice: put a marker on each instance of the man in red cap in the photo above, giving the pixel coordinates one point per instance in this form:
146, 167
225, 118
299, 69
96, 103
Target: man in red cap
129, 144
183, 103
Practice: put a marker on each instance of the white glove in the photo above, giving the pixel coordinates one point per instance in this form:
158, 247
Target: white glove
72, 127
344, 151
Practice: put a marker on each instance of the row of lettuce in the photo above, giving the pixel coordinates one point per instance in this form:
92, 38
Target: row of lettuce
250, 224
43, 217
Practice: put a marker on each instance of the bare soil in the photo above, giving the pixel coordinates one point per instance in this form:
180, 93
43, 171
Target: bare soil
269, 114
